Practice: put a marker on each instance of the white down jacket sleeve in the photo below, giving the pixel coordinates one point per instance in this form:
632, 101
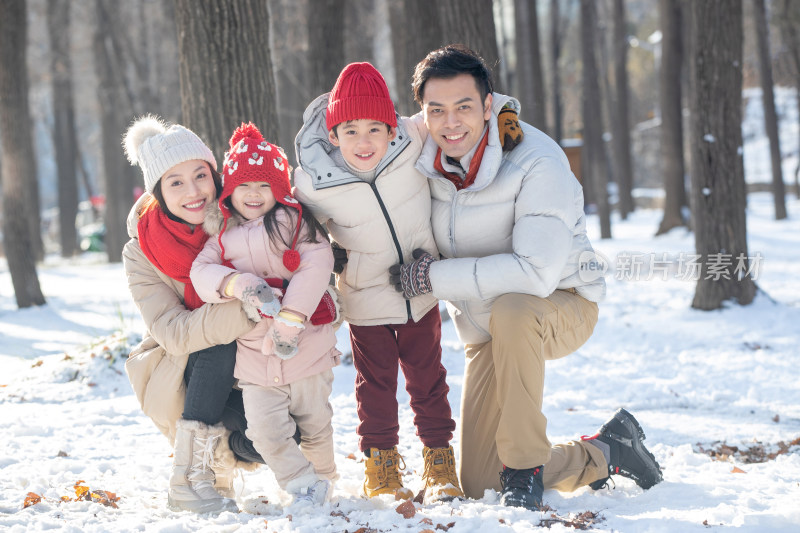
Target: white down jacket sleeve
528, 255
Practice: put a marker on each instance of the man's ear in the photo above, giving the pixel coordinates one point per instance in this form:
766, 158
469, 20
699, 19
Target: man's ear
333, 138
487, 107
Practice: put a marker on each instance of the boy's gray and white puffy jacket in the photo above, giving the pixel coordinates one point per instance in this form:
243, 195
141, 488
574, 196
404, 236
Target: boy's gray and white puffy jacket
380, 223
519, 228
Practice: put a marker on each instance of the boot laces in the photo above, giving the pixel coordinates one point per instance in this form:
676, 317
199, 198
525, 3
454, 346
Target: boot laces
204, 448
439, 468
389, 468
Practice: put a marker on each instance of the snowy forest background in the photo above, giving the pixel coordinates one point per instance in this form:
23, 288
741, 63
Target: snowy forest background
708, 363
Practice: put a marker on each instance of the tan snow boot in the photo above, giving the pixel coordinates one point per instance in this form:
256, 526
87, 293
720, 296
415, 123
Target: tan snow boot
382, 474
441, 481
191, 484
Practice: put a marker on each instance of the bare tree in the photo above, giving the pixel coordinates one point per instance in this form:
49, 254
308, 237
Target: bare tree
325, 43
18, 162
555, 55
770, 116
620, 125
718, 188
672, 167
471, 22
226, 68
593, 169
410, 47
64, 133
529, 86
789, 21
116, 111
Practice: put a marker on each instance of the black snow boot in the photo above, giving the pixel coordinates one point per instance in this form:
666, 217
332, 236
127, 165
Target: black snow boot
623, 436
522, 488
243, 448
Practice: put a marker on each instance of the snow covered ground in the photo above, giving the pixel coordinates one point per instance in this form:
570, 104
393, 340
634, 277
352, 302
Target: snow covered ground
695, 380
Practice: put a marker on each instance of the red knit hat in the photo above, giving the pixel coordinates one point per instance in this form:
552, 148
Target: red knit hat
360, 92
251, 158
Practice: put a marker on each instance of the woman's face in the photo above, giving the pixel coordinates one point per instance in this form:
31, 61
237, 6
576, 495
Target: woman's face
187, 189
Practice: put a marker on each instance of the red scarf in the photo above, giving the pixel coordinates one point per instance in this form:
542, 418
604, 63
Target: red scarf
172, 246
474, 165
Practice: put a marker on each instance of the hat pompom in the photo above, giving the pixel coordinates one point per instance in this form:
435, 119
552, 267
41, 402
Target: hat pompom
142, 129
291, 260
244, 131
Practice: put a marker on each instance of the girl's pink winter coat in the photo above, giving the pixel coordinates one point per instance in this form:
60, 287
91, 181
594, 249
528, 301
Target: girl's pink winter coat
249, 249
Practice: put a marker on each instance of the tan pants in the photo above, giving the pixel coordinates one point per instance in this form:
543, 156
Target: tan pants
501, 403
272, 415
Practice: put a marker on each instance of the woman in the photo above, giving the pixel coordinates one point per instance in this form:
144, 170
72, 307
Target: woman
182, 372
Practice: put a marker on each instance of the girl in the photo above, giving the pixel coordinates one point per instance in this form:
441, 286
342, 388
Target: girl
284, 364
182, 372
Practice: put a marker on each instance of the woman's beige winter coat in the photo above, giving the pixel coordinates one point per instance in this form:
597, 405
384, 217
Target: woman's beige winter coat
379, 224
155, 367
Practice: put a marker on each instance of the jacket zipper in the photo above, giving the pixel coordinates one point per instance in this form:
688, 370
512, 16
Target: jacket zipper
389, 223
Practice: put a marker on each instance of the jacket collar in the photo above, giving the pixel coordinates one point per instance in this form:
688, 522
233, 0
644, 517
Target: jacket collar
492, 157
313, 148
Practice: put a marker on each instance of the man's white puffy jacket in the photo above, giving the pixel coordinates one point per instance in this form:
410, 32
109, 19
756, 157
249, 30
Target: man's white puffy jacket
519, 228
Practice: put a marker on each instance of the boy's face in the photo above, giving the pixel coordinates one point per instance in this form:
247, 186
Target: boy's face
252, 199
454, 113
363, 142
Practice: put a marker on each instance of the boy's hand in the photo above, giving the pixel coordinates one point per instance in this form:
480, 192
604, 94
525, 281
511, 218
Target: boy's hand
339, 257
508, 125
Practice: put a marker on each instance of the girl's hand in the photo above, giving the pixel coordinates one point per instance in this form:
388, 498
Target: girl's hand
285, 335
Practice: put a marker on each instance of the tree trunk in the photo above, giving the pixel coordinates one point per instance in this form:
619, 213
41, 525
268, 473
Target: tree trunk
226, 69
115, 114
471, 22
411, 47
790, 30
18, 163
64, 133
529, 79
594, 171
620, 124
325, 43
289, 45
770, 116
718, 188
672, 168
555, 55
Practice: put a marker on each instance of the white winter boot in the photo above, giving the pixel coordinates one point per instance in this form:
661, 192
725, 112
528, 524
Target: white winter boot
310, 488
191, 485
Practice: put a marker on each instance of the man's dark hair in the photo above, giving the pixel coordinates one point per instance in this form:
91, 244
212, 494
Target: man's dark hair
448, 62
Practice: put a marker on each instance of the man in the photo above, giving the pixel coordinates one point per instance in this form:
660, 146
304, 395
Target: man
511, 229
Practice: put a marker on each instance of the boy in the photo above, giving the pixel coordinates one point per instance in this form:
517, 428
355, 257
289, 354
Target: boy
356, 175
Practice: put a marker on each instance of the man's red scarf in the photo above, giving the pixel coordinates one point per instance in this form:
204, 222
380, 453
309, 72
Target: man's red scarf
474, 165
172, 247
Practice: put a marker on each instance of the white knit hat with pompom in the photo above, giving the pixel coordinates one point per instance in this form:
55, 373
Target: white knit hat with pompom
156, 147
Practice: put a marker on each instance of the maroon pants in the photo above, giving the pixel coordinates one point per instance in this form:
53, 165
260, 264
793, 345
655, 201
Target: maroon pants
416, 348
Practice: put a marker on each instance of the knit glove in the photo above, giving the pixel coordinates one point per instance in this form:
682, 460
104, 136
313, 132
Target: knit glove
339, 257
283, 336
509, 128
254, 291
329, 309
413, 279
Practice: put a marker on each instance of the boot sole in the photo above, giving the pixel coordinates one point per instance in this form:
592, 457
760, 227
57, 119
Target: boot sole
653, 470
201, 506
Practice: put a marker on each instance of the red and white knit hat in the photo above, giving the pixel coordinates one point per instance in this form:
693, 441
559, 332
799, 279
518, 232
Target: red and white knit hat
360, 92
251, 158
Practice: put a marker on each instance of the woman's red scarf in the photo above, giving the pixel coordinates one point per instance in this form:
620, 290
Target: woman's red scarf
172, 247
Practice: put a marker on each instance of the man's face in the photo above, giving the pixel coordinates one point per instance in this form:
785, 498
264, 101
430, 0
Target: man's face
454, 113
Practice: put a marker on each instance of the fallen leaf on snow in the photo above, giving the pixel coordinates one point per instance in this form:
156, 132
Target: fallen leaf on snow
737, 470
31, 499
406, 509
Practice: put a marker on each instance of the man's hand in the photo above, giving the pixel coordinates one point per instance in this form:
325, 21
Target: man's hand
339, 257
413, 279
509, 128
